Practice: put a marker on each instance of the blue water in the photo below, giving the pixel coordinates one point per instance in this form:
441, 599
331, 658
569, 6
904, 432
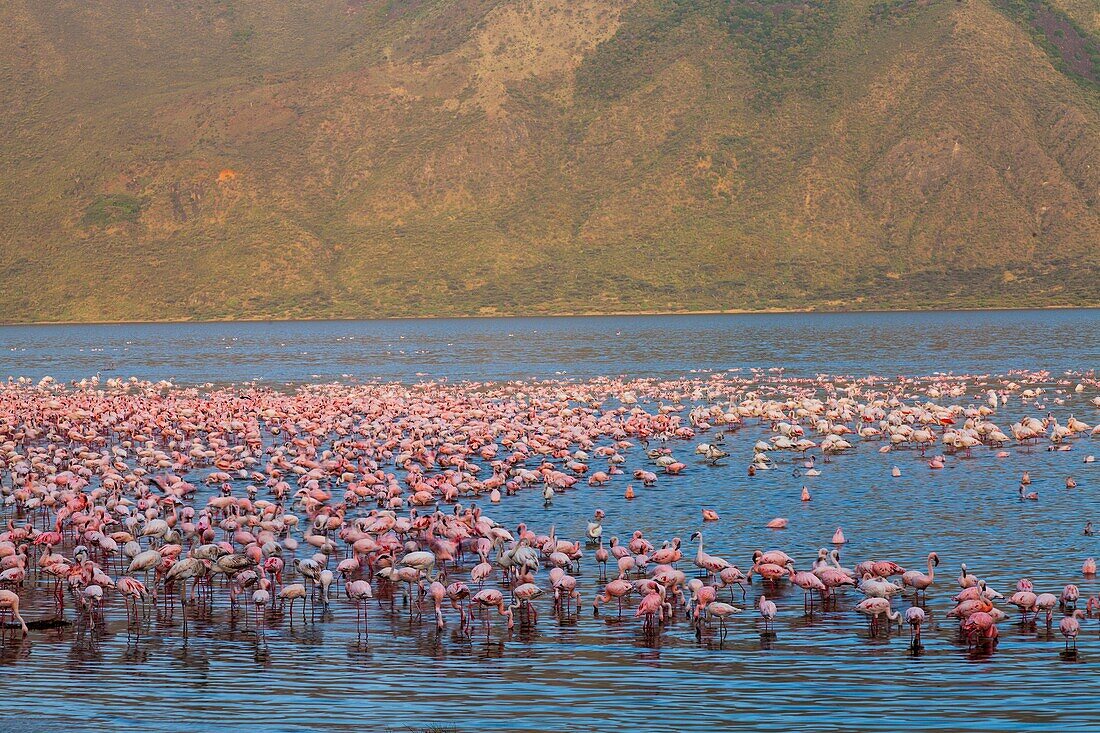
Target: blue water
589, 673
520, 348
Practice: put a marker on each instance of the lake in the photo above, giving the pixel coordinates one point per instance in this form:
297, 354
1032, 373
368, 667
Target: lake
586, 672
521, 348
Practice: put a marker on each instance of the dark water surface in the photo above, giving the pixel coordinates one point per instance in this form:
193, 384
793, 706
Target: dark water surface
520, 348
599, 673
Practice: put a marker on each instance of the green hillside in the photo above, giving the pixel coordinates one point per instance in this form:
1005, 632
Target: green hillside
211, 159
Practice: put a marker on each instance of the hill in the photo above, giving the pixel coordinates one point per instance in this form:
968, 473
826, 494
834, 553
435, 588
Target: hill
353, 158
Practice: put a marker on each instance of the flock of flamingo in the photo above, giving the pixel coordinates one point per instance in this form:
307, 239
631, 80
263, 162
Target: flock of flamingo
144, 498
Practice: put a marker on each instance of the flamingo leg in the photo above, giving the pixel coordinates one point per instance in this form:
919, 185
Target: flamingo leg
183, 607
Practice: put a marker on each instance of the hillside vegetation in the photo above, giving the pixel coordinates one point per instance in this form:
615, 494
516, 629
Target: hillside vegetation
213, 159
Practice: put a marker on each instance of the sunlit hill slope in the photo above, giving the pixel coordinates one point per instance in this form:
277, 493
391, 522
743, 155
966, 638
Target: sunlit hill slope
348, 158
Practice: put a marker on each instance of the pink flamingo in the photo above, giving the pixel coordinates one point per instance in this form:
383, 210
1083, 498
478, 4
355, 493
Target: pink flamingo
480, 573
917, 580
731, 576
767, 612
651, 610
9, 602
133, 592
616, 589
565, 588
1046, 602
969, 607
261, 599
874, 608
722, 611
458, 593
438, 592
601, 559
524, 594
833, 579
293, 592
809, 583
979, 626
1024, 600
1070, 594
360, 593
885, 569
914, 616
1071, 627
492, 598
703, 595
669, 554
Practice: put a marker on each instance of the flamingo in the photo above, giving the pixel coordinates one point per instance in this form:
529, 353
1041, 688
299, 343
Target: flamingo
616, 589
9, 602
292, 592
980, 626
808, 582
1024, 600
731, 576
651, 610
1069, 597
183, 570
1046, 602
601, 559
721, 611
874, 608
133, 592
565, 588
1071, 627
966, 579
917, 580
701, 596
767, 612
261, 598
490, 598
708, 564
161, 487
914, 616
360, 593
524, 594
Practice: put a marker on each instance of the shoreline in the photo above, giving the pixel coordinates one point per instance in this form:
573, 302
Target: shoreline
578, 314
